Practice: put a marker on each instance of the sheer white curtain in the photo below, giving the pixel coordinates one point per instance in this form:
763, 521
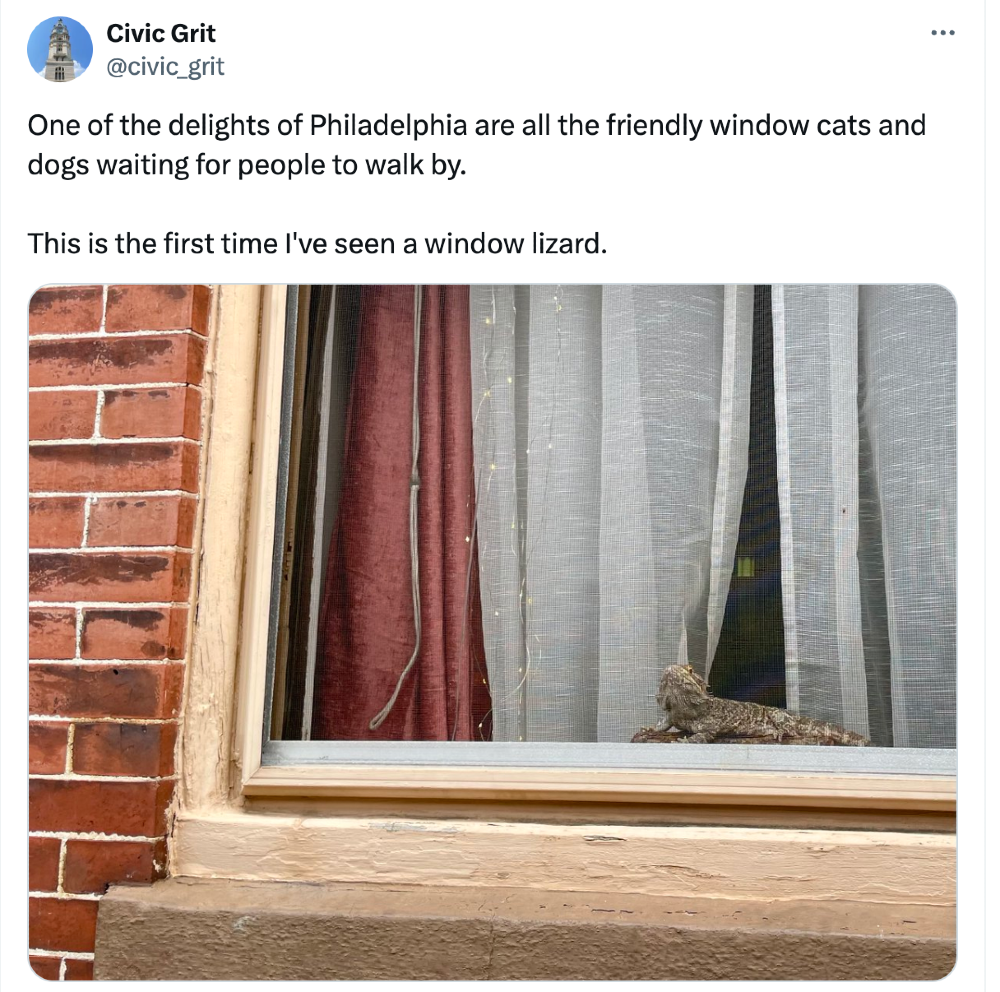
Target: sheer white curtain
610, 433
865, 417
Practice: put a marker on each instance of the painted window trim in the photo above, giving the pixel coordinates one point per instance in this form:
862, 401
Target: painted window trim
230, 647
668, 834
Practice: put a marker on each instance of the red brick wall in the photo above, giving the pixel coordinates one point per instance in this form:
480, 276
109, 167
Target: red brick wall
115, 425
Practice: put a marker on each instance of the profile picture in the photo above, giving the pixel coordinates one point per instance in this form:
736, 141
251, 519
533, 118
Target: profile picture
60, 49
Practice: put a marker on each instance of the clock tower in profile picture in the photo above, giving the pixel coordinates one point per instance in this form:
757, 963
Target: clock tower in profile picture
59, 64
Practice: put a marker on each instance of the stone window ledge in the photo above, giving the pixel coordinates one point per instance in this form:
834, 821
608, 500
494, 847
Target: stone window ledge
225, 929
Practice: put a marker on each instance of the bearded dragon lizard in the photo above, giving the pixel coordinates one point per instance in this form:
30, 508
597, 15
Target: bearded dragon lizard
689, 706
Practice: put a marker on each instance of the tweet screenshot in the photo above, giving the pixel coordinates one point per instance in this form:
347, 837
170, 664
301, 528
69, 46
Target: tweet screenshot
503, 491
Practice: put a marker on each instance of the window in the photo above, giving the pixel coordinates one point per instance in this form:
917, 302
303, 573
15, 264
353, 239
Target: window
758, 481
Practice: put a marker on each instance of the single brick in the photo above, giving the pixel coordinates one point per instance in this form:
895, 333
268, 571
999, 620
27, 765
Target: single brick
47, 748
66, 310
107, 466
93, 865
79, 970
176, 358
157, 308
51, 633
61, 924
173, 411
134, 522
47, 968
142, 691
111, 576
55, 522
153, 634
134, 749
61, 414
43, 863
136, 809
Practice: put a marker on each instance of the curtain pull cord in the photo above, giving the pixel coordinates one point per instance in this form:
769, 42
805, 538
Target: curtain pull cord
379, 718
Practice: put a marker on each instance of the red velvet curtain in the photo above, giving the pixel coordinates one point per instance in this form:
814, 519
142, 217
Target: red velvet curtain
366, 627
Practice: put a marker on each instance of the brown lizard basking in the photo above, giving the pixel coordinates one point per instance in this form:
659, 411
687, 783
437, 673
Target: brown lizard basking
689, 706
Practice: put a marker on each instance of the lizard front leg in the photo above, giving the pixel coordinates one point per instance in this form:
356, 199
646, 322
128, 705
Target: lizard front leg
702, 737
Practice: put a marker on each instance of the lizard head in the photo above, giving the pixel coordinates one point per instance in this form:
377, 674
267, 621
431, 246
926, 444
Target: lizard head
681, 679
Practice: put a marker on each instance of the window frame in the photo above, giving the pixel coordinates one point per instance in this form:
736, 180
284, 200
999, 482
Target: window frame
885, 780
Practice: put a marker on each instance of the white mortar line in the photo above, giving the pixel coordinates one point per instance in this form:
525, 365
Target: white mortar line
131, 494
87, 285
132, 549
119, 662
65, 896
98, 412
112, 335
92, 549
70, 738
103, 604
41, 952
87, 504
139, 721
92, 835
62, 970
61, 872
127, 779
104, 309
114, 387
103, 441
79, 634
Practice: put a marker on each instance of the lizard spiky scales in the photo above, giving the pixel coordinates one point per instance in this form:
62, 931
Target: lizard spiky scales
689, 706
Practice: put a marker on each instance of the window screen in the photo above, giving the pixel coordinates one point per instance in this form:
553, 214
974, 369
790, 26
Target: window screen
509, 508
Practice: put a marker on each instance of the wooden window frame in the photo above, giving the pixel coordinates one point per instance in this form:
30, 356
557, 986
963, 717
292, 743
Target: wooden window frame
235, 811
